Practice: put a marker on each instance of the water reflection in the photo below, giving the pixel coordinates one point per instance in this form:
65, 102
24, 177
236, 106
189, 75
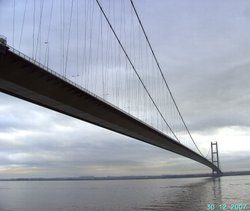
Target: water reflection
192, 196
217, 191
159, 194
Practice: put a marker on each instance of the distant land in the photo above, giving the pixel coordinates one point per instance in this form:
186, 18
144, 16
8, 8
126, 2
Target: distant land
231, 173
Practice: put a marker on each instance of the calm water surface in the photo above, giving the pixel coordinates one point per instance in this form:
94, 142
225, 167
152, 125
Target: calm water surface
163, 194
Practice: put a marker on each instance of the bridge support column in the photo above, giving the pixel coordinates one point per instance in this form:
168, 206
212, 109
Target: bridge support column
215, 158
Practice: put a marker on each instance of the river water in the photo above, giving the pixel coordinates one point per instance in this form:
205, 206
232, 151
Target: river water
225, 193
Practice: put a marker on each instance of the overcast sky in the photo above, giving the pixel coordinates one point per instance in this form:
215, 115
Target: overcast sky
204, 50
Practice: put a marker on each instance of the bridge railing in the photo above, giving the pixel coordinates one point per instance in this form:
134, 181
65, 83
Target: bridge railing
46, 68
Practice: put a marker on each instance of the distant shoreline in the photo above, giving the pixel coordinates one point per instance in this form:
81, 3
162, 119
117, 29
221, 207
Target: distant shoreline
232, 173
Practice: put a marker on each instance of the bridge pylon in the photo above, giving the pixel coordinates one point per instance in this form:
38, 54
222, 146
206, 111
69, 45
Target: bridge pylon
215, 158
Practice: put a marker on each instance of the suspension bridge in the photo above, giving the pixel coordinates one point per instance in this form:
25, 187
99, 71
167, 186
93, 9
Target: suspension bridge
93, 60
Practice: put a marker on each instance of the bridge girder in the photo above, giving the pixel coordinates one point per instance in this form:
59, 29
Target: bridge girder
22, 78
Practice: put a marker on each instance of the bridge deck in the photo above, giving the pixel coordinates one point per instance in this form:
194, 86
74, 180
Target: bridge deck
22, 78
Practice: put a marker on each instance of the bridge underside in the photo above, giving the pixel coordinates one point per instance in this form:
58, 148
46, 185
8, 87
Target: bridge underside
23, 79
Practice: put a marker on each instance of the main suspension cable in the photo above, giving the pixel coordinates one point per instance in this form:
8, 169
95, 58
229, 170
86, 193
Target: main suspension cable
132, 65
165, 81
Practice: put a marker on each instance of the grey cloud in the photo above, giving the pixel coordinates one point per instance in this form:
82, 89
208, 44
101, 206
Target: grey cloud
219, 99
240, 161
208, 73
